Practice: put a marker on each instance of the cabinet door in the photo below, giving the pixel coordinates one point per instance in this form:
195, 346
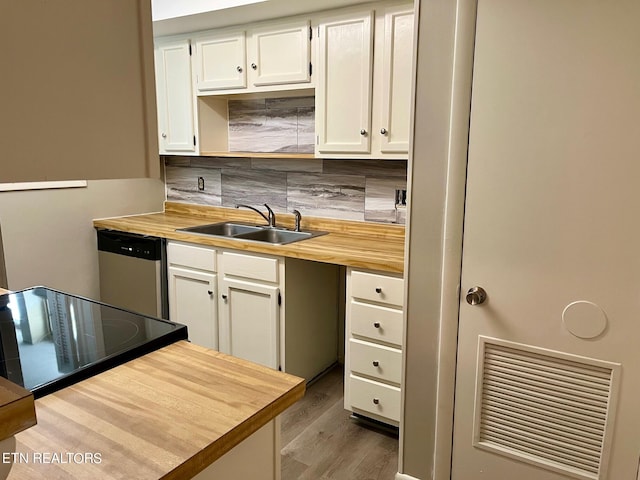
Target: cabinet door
220, 62
249, 321
343, 96
175, 97
192, 302
280, 54
396, 88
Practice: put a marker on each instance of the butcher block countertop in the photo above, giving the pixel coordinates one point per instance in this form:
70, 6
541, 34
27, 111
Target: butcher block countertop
372, 246
17, 411
166, 415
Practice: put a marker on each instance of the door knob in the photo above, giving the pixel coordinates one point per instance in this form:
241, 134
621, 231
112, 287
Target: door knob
476, 296
239, 68
254, 66
383, 131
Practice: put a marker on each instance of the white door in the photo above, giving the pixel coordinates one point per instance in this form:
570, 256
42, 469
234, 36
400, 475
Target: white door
220, 62
280, 54
548, 373
192, 302
396, 87
343, 94
175, 98
250, 321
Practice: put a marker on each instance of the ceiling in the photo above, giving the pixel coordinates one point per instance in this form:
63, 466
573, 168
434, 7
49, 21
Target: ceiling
231, 12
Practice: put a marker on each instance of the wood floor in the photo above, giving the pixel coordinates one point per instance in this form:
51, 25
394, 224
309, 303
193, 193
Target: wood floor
321, 442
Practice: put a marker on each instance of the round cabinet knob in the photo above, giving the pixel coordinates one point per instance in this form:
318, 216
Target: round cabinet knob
239, 68
476, 296
376, 401
164, 135
376, 324
210, 292
376, 363
254, 66
378, 289
383, 131
224, 297
363, 132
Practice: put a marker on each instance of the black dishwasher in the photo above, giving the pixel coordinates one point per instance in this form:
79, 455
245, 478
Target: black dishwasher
133, 273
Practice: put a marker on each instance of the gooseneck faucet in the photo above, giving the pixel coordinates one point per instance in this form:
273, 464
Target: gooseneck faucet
271, 219
298, 219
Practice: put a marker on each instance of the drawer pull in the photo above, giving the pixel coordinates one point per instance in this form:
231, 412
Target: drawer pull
376, 363
378, 289
376, 324
376, 401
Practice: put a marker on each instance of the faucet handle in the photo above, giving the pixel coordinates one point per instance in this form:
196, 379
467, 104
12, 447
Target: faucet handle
298, 219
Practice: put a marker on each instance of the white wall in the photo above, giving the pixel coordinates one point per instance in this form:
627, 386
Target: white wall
49, 237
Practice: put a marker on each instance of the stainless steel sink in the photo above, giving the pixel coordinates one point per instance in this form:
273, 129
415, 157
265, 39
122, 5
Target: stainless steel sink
241, 231
275, 235
224, 229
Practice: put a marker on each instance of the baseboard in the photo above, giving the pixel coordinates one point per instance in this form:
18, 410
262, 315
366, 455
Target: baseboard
404, 476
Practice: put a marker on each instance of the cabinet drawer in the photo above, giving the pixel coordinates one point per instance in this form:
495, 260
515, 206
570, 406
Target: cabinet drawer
193, 256
250, 266
378, 323
378, 361
377, 288
374, 397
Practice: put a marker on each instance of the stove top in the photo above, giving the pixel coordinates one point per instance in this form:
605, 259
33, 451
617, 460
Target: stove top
51, 339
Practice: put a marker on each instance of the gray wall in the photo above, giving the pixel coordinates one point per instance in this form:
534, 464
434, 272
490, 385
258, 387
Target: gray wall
434, 237
49, 237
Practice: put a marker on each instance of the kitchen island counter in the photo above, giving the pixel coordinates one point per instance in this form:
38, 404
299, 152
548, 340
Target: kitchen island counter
367, 245
166, 415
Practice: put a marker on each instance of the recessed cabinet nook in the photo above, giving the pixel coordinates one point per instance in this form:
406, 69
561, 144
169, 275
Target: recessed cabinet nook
355, 61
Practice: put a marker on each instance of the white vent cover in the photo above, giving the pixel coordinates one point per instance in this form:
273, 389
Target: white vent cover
546, 408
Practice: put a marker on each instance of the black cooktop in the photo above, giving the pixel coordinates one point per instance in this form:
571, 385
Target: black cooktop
50, 339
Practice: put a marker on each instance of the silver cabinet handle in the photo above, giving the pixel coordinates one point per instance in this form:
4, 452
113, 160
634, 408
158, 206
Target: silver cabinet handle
376, 401
376, 363
378, 289
476, 296
254, 66
376, 324
363, 132
383, 131
164, 135
239, 68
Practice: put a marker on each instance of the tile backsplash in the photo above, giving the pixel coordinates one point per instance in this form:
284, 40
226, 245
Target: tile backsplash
280, 124
361, 190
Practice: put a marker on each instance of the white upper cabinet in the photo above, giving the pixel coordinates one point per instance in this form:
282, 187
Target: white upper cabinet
176, 119
363, 94
280, 54
258, 59
343, 90
397, 68
221, 61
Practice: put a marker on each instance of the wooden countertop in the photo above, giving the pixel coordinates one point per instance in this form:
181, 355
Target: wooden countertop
166, 415
373, 246
17, 411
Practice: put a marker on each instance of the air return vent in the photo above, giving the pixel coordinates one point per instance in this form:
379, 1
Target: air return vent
546, 408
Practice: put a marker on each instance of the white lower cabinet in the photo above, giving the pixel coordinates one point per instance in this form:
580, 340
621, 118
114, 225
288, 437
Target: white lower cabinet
193, 286
374, 339
250, 321
275, 311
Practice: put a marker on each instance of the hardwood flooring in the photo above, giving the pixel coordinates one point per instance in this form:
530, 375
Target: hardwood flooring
321, 442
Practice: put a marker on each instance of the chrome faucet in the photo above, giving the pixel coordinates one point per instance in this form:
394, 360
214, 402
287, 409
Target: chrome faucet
271, 219
298, 219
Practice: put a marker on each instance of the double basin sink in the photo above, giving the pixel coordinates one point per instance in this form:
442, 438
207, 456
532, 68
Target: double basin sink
256, 233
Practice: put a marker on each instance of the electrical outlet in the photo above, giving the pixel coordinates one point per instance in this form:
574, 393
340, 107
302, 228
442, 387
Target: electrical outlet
201, 184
